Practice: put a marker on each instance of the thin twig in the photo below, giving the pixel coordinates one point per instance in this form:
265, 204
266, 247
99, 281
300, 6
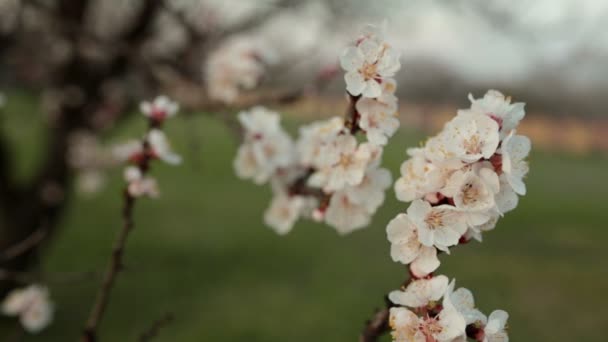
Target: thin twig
24, 245
116, 261
156, 326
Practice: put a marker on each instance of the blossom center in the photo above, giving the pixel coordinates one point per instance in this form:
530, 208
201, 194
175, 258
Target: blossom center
369, 71
434, 220
473, 145
469, 193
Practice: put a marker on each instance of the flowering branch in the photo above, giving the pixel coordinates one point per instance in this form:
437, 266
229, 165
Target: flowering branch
327, 174
459, 184
152, 146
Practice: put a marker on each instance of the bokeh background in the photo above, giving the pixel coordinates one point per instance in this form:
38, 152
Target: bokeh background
203, 253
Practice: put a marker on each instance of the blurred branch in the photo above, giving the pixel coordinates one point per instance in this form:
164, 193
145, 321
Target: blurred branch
116, 259
156, 326
24, 245
378, 325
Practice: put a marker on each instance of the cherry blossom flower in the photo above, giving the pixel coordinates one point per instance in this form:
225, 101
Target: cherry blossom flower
406, 247
32, 305
495, 105
367, 65
345, 215
421, 292
444, 327
161, 148
465, 304
314, 137
237, 64
266, 147
370, 192
496, 328
342, 163
159, 109
419, 177
140, 185
379, 116
471, 138
440, 226
283, 212
514, 149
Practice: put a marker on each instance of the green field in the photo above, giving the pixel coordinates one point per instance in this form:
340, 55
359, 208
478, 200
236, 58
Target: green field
203, 253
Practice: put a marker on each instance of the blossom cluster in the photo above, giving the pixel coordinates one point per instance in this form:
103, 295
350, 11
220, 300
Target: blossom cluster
327, 174
459, 184
236, 65
154, 145
32, 305
430, 310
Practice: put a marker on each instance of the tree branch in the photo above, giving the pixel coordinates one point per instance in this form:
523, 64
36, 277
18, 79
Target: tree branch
378, 325
156, 326
116, 260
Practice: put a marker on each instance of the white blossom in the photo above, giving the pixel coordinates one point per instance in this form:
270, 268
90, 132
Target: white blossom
266, 147
343, 163
471, 138
440, 226
283, 212
161, 148
370, 192
314, 137
514, 150
419, 177
32, 305
345, 215
444, 327
237, 64
406, 247
496, 328
495, 105
367, 65
140, 185
421, 292
465, 304
159, 109
378, 117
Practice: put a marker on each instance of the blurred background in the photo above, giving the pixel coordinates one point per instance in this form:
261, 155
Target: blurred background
72, 73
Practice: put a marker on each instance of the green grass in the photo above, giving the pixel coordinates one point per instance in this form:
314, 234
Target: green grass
203, 253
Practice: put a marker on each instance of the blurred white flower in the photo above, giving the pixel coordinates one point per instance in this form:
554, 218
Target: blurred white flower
90, 181
128, 150
370, 192
237, 64
378, 117
368, 64
161, 148
313, 137
342, 163
345, 215
421, 292
514, 150
32, 305
138, 185
266, 147
406, 247
159, 109
283, 212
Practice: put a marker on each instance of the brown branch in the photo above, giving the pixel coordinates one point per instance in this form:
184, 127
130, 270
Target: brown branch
116, 260
24, 245
156, 326
378, 325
